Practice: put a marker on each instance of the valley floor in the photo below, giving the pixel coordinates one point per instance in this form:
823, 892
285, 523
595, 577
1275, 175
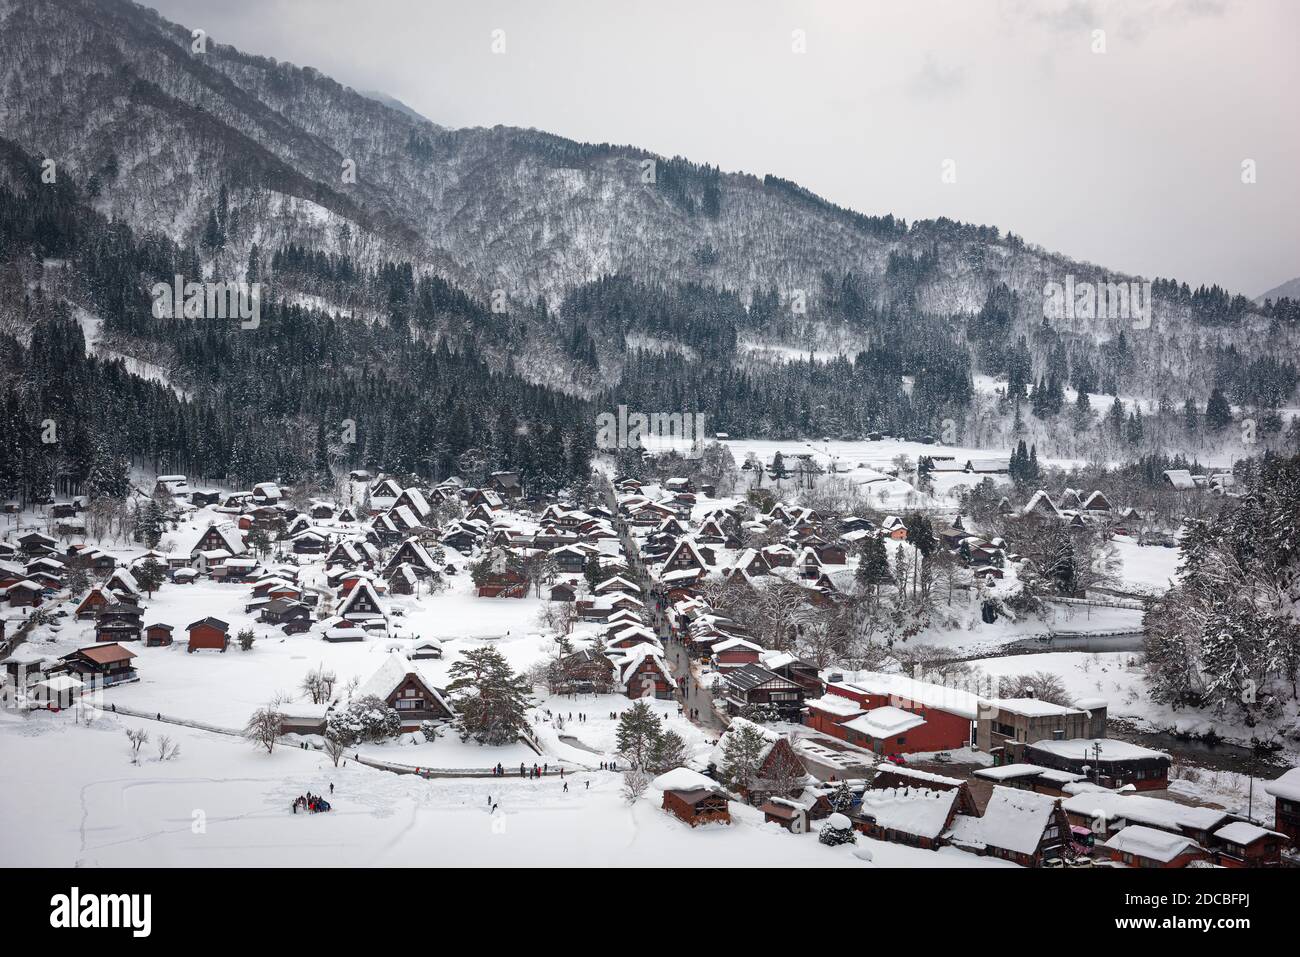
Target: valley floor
223, 804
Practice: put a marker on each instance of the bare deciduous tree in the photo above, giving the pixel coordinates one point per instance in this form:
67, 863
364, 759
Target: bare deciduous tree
263, 728
335, 747
635, 784
318, 684
138, 737
167, 748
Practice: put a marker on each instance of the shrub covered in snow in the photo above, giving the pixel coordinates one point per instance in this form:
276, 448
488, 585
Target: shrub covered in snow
366, 719
837, 830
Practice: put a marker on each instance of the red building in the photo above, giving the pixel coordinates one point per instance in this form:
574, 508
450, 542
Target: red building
208, 633
735, 653
1140, 846
642, 673
1286, 790
1242, 844
920, 716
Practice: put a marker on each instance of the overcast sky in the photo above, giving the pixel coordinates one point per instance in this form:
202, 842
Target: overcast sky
1130, 158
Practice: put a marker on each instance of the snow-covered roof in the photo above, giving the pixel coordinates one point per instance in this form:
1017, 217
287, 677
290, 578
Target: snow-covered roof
1040, 500
1010, 772
617, 582
362, 587
1150, 842
736, 643
60, 683
338, 632
393, 672
1286, 787
916, 774
885, 722
684, 779
1111, 749
630, 659
910, 691
1243, 833
417, 500
681, 574
1013, 820
303, 709
918, 811
1142, 809
1032, 708
772, 660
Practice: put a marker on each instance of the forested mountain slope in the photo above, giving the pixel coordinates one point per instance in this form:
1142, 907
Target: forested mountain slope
601, 271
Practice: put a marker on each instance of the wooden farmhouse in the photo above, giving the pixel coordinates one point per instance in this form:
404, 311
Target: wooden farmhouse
693, 798
106, 665
401, 686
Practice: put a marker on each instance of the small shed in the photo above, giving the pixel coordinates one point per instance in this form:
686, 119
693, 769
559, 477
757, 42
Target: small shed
158, 634
208, 633
693, 798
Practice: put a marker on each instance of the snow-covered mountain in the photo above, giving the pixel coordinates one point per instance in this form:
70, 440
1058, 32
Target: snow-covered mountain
1289, 289
153, 122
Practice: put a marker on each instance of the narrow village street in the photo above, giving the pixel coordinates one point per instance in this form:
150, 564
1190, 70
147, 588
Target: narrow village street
697, 701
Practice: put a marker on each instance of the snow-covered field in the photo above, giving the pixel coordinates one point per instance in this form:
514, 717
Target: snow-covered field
223, 804
1146, 568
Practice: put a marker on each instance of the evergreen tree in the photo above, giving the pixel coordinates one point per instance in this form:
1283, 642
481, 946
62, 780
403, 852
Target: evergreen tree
1218, 413
743, 752
150, 575
491, 700
873, 566
150, 523
638, 734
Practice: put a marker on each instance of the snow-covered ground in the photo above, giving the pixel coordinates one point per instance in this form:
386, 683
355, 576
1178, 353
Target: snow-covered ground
1146, 569
222, 803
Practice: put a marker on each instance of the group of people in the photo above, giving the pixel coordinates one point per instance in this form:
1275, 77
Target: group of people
311, 803
609, 765
536, 771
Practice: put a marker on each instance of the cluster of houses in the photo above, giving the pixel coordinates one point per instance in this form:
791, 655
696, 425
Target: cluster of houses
1075, 509
1058, 787
1222, 481
1059, 791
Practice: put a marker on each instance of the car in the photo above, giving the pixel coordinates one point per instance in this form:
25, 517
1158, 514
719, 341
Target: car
943, 757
